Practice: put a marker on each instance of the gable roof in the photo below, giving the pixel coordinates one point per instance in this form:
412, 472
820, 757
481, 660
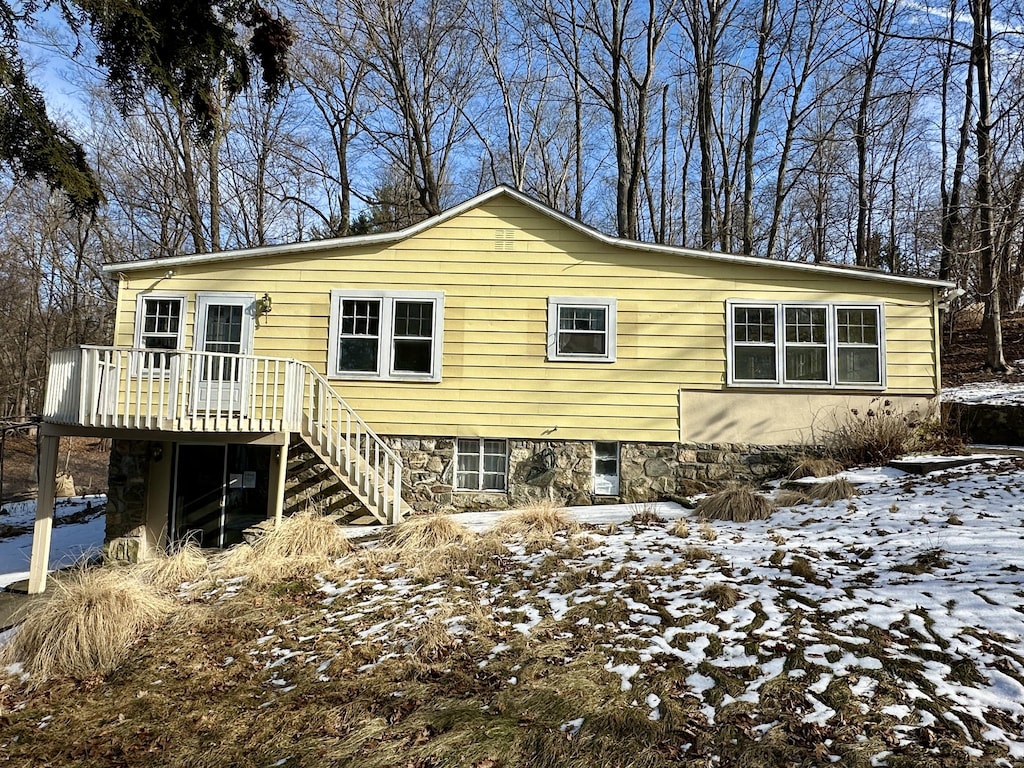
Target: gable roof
314, 246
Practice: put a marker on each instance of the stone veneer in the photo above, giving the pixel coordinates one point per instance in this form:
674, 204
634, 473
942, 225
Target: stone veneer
561, 470
126, 499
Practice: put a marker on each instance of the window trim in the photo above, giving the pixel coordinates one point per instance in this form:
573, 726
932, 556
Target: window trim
386, 337
832, 345
480, 441
556, 303
140, 303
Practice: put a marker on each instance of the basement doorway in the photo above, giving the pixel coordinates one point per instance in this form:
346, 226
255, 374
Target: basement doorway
218, 492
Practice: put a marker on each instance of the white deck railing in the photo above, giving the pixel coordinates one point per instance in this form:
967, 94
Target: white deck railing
187, 391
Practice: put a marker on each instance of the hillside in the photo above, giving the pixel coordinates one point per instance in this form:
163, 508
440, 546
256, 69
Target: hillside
883, 629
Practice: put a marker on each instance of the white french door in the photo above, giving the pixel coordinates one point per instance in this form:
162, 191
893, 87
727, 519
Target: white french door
224, 325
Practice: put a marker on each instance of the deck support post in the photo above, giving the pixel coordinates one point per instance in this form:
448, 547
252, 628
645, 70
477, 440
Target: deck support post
279, 479
49, 446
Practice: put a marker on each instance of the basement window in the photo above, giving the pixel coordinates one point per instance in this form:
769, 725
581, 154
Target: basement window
480, 464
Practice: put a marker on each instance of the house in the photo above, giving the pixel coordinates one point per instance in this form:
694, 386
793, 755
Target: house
498, 352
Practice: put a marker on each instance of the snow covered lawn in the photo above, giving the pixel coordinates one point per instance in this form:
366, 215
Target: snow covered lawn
904, 604
77, 533
886, 629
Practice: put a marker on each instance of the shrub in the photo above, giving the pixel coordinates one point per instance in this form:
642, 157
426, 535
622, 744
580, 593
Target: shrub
880, 434
86, 626
739, 505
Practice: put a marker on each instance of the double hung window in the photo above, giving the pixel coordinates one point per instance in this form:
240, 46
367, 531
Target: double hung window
791, 344
386, 335
159, 326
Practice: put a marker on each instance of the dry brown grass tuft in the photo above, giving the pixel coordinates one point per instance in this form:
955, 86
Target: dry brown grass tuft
429, 532
724, 596
87, 624
814, 466
791, 498
680, 528
184, 563
300, 545
739, 505
537, 522
646, 513
831, 490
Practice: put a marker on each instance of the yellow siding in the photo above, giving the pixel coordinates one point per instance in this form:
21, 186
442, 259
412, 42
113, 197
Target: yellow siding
495, 379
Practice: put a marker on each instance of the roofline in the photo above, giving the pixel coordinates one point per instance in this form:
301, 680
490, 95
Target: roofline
402, 234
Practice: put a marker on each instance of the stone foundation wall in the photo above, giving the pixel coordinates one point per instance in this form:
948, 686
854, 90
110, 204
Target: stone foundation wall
561, 471
126, 499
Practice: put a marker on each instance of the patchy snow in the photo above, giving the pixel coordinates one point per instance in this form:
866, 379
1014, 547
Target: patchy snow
985, 392
899, 591
69, 541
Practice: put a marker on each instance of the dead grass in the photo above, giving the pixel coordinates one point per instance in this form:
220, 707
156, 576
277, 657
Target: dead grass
184, 563
424, 532
791, 498
87, 625
300, 545
536, 523
724, 596
814, 466
830, 491
680, 528
740, 505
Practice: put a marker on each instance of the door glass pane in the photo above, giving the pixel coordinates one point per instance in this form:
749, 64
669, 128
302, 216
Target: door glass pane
606, 469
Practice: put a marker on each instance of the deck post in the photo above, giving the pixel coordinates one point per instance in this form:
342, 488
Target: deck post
49, 446
279, 479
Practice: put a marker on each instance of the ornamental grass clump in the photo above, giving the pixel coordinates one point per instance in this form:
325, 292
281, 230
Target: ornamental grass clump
739, 505
86, 625
536, 523
185, 562
298, 546
426, 532
814, 466
829, 491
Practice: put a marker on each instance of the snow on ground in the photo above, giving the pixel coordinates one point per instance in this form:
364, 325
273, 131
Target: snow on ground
909, 594
985, 392
77, 533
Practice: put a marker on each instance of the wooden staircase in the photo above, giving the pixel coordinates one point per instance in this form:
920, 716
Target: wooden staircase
312, 483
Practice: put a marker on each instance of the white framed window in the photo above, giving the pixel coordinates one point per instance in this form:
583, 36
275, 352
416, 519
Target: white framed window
606, 469
800, 344
581, 329
481, 464
389, 335
160, 327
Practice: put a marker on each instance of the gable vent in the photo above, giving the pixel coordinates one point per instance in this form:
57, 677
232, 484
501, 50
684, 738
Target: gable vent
504, 239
